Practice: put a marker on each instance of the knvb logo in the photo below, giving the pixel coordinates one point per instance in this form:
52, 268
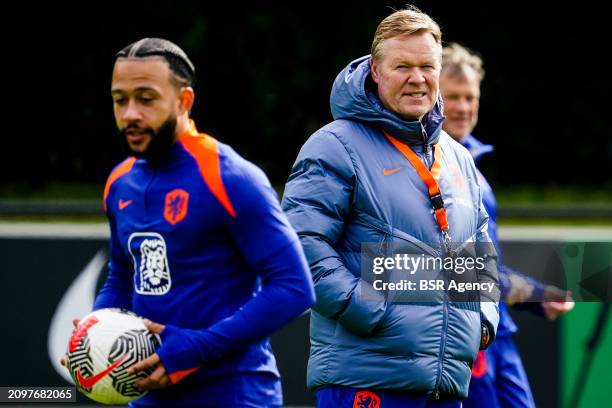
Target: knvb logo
366, 399
152, 273
176, 205
479, 368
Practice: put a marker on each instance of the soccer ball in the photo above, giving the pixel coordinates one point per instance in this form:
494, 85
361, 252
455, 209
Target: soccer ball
103, 346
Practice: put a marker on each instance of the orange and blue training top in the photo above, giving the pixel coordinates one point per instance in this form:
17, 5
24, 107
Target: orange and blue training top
199, 243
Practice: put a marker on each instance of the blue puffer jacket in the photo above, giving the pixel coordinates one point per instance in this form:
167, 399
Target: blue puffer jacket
339, 196
506, 327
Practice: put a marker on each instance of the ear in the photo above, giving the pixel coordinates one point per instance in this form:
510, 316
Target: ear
186, 99
374, 69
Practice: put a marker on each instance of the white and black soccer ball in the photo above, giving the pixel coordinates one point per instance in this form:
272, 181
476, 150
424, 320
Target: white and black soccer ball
103, 346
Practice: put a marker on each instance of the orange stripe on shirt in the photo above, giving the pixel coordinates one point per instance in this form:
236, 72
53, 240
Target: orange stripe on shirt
205, 151
179, 375
118, 172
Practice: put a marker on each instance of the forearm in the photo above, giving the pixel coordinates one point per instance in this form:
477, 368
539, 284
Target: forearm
522, 292
116, 292
285, 294
111, 297
340, 294
118, 288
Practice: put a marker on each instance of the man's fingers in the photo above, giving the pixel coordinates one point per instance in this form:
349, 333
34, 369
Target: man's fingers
553, 310
75, 322
155, 376
157, 379
164, 382
144, 364
154, 327
564, 307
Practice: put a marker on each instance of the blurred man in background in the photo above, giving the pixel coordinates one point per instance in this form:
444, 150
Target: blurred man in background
498, 376
362, 178
199, 243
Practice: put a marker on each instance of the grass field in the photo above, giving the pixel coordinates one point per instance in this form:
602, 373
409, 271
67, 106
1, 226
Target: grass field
516, 194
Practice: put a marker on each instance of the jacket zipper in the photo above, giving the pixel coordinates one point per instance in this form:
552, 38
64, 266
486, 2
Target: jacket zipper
424, 137
425, 149
146, 194
445, 302
442, 342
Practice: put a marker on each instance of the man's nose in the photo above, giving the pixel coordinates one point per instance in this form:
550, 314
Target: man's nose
464, 105
416, 76
131, 112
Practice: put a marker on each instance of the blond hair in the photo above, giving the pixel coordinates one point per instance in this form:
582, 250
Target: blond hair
456, 60
404, 22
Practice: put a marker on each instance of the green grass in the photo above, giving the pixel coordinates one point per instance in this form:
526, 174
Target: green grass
575, 222
52, 191
502, 222
518, 194
524, 195
554, 195
54, 218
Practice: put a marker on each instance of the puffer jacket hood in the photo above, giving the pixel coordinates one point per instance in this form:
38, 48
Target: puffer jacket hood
354, 97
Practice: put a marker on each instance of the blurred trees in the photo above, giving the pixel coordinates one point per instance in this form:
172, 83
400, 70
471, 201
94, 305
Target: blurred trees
265, 71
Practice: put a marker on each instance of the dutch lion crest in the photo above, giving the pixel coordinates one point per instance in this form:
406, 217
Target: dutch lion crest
152, 274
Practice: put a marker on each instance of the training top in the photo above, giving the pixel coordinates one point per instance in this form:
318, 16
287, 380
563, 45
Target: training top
200, 244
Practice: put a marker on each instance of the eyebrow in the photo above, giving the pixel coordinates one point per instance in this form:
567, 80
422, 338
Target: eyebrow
414, 57
139, 89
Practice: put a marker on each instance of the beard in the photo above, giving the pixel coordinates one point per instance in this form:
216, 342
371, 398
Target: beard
161, 140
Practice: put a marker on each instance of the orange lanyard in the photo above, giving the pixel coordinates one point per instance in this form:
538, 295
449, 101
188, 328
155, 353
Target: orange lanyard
429, 178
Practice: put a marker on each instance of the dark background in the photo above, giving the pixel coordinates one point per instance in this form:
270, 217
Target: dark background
265, 70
